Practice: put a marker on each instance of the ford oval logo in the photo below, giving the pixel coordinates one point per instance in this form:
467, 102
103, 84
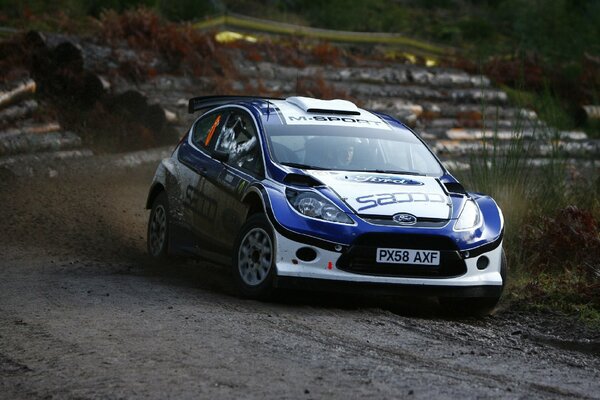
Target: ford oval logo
384, 179
404, 219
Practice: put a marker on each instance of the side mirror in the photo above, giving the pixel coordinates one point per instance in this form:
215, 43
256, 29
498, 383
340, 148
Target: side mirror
220, 155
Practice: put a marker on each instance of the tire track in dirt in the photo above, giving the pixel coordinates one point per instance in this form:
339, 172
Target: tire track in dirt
396, 356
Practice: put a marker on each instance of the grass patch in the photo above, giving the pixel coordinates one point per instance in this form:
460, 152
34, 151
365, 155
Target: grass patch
554, 292
549, 108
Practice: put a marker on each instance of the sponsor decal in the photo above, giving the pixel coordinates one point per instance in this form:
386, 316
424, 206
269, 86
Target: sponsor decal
386, 179
199, 204
241, 186
291, 116
213, 128
384, 199
229, 179
321, 118
404, 219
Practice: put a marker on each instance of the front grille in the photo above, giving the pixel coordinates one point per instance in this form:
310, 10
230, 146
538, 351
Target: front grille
406, 241
360, 257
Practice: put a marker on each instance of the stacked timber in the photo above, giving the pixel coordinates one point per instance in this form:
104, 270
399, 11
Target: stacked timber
458, 114
27, 135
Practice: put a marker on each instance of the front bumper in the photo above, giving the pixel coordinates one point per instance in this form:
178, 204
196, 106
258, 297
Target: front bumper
337, 286
323, 273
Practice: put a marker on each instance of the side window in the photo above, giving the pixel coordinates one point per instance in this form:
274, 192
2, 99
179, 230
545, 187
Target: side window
239, 138
205, 129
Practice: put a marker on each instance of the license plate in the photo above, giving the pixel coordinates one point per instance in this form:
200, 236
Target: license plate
408, 256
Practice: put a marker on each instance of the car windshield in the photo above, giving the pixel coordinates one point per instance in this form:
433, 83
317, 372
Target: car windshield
392, 150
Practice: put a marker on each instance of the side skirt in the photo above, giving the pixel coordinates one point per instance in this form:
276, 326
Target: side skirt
183, 242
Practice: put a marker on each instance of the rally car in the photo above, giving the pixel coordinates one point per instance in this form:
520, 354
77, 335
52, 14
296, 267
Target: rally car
321, 194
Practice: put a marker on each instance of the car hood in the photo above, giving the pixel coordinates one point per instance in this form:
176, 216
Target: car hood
388, 194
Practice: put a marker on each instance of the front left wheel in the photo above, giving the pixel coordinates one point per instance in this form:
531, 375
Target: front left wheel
254, 258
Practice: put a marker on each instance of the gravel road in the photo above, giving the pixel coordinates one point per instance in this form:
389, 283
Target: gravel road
85, 314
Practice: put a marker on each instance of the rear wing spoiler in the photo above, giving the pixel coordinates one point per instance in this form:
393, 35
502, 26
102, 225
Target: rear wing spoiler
204, 102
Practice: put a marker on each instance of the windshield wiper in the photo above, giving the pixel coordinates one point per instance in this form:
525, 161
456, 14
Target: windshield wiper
301, 166
388, 171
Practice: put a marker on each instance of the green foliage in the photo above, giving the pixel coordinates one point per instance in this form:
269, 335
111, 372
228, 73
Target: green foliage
73, 8
549, 107
177, 10
475, 29
568, 292
355, 15
96, 7
558, 30
184, 10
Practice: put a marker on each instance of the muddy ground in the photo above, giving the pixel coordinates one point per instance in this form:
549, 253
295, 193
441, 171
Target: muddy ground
85, 314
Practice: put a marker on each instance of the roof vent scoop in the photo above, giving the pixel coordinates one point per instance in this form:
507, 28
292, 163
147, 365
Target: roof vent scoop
311, 105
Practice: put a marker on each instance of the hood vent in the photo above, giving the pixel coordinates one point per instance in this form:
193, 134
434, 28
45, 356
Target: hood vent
310, 105
455, 187
301, 180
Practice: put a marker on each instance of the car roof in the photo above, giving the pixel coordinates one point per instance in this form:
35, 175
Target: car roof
310, 111
298, 110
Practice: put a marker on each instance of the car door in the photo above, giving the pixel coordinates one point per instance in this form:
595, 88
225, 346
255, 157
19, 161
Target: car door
198, 180
238, 137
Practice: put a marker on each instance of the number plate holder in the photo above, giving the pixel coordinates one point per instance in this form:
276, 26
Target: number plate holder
407, 256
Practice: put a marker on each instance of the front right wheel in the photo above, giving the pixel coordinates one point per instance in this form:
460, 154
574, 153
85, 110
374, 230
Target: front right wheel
254, 258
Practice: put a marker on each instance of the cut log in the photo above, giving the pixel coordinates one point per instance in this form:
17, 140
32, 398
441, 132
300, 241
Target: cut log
460, 148
44, 157
591, 112
170, 116
31, 129
60, 74
405, 75
17, 94
40, 164
11, 144
573, 163
477, 134
17, 112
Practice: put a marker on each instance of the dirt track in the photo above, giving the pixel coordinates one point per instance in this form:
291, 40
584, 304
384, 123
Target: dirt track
84, 314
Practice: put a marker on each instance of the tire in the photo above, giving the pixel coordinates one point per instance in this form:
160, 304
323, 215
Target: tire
157, 239
476, 306
253, 265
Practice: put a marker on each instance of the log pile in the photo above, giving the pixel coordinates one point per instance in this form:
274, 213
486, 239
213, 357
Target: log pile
25, 132
57, 104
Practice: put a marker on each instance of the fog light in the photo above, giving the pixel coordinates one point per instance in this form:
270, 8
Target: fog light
483, 262
306, 254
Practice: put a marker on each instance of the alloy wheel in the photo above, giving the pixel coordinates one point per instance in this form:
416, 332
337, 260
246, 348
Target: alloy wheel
255, 257
158, 229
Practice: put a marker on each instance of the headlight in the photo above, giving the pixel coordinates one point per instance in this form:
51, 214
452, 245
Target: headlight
469, 217
314, 205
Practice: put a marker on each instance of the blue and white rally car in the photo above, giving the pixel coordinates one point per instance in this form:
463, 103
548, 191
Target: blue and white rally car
301, 192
